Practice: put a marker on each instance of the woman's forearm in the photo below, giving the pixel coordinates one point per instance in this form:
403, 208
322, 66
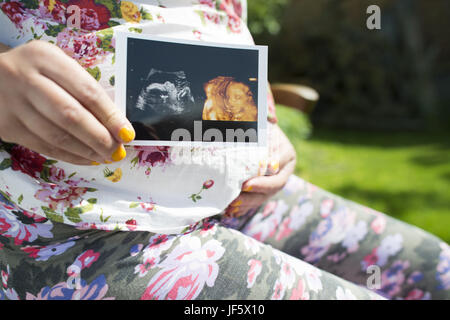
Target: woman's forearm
3, 47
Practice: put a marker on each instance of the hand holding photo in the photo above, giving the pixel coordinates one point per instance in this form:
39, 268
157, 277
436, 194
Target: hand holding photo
179, 92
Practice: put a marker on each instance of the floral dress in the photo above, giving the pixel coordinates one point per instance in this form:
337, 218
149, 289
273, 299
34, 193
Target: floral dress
154, 188
150, 227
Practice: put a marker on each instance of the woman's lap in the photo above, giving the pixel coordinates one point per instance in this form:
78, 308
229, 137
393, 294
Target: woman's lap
43, 259
345, 238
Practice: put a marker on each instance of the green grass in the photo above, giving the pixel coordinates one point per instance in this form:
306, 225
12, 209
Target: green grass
405, 175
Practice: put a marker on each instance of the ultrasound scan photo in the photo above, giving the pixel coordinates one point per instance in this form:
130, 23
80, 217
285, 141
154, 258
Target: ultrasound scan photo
164, 100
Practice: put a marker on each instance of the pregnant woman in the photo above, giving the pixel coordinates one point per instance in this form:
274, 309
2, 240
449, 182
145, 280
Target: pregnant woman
84, 216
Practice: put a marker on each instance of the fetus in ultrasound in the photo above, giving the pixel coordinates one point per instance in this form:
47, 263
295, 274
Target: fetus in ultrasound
164, 101
165, 93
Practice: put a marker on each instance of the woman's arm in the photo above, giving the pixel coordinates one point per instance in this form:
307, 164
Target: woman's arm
3, 48
257, 190
51, 105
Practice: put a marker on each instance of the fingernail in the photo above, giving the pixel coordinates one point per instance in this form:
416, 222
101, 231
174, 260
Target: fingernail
248, 188
119, 154
126, 134
95, 163
107, 162
237, 203
235, 210
275, 165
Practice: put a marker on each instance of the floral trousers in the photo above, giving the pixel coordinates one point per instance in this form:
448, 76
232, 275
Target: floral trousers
305, 243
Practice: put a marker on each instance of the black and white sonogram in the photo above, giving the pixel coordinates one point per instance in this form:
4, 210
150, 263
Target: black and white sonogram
164, 100
165, 94
181, 93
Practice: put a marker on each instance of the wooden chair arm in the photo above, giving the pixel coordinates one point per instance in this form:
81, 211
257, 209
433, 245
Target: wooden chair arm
296, 96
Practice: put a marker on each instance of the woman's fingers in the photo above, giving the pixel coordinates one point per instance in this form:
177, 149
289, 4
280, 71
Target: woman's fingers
32, 142
89, 93
244, 202
54, 135
66, 112
269, 184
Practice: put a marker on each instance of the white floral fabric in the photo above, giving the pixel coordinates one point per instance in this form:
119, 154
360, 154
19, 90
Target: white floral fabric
157, 189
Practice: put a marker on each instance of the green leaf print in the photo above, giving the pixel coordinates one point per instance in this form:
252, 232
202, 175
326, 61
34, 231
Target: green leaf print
45, 174
95, 73
113, 7
103, 219
202, 16
19, 200
71, 175
73, 214
134, 205
92, 200
49, 162
112, 81
146, 15
113, 23
137, 30
52, 215
30, 4
5, 164
105, 37
53, 30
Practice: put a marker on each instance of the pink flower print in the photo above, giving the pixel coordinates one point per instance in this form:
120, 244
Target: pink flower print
96, 290
131, 224
269, 208
208, 3
151, 156
417, 294
14, 11
142, 268
81, 46
206, 185
378, 224
43, 253
297, 217
278, 290
261, 228
370, 259
253, 272
443, 267
234, 24
284, 230
12, 227
87, 258
186, 270
330, 230
299, 292
59, 195
197, 34
325, 207
393, 278
354, 236
57, 12
152, 253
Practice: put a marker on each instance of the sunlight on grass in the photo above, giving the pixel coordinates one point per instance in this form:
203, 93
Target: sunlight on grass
406, 175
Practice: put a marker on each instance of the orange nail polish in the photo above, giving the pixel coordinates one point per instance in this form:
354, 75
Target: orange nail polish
126, 135
95, 163
248, 188
119, 154
237, 203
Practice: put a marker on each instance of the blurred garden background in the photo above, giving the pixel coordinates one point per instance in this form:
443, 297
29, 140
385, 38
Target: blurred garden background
380, 133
